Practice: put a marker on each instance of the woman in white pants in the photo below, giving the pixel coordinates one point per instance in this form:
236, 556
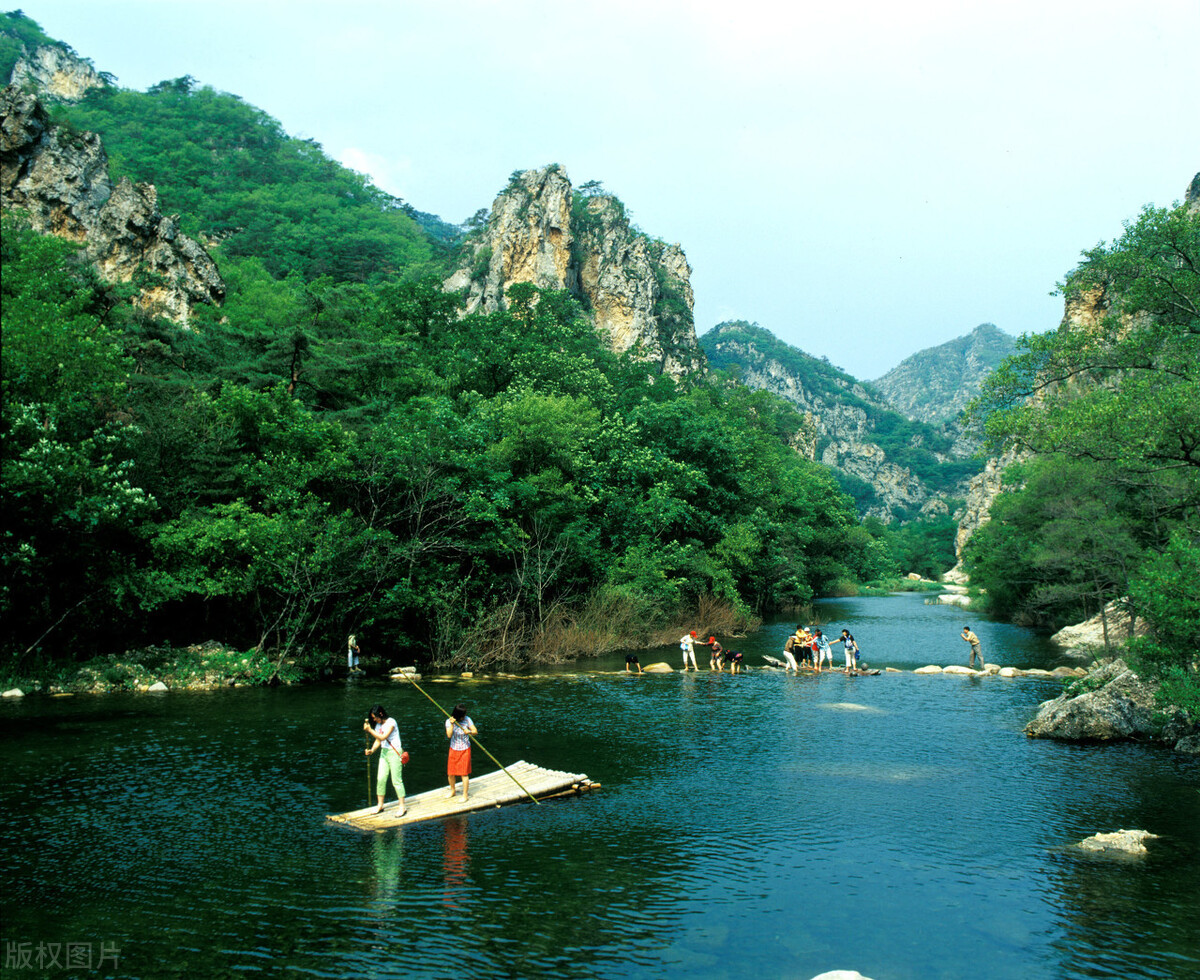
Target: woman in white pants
788, 646
687, 645
851, 648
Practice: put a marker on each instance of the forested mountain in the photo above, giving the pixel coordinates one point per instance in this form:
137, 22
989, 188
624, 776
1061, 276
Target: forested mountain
894, 467
934, 385
339, 446
1104, 415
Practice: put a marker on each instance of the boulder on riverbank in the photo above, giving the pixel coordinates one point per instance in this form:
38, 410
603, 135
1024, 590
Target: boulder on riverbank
1122, 842
1111, 703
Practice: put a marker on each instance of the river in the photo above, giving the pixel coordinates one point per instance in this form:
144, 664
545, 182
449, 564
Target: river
762, 825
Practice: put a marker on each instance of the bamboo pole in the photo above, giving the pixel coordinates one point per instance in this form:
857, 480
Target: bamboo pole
368, 745
475, 739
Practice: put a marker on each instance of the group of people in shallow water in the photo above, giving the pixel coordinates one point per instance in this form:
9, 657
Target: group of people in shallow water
813, 647
386, 741
816, 649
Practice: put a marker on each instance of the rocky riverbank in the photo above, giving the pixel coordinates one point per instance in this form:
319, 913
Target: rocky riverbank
1112, 703
200, 667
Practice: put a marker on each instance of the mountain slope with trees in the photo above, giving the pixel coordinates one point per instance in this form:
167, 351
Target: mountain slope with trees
895, 468
337, 448
936, 384
1106, 506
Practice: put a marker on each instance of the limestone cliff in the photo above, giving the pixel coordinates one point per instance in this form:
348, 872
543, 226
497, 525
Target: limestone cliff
541, 230
849, 419
55, 73
60, 180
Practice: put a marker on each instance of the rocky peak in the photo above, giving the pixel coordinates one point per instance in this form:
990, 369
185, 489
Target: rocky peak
540, 230
527, 239
936, 384
56, 73
60, 179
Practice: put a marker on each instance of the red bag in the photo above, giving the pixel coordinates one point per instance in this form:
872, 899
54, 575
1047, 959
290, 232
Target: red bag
404, 758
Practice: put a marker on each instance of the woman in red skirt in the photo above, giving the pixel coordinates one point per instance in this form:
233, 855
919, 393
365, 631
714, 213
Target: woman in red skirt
459, 729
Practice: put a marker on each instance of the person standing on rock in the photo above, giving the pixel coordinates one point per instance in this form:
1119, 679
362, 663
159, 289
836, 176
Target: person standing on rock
352, 652
822, 651
687, 644
851, 648
804, 639
969, 637
714, 662
789, 647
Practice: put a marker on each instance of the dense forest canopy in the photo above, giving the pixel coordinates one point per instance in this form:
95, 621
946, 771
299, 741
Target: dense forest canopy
236, 178
338, 449
1107, 412
318, 457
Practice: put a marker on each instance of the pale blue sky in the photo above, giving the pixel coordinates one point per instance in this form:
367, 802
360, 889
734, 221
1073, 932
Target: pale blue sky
863, 181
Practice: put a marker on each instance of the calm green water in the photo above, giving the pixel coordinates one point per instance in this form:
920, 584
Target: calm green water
749, 826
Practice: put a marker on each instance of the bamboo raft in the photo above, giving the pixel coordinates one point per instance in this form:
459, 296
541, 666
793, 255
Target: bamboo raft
491, 790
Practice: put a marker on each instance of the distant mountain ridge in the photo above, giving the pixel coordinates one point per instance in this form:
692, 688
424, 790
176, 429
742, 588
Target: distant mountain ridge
935, 385
894, 467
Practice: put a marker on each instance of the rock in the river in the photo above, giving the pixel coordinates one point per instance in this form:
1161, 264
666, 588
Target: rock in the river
13, 692
953, 599
930, 669
841, 975
1111, 703
1124, 841
1189, 744
157, 686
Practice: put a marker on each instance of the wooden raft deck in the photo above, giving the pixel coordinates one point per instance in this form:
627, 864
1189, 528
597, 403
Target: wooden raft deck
488, 791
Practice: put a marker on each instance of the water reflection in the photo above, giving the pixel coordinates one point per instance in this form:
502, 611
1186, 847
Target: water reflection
387, 860
455, 863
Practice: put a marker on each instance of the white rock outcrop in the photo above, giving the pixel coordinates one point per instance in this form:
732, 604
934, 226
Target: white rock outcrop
56, 72
1112, 625
60, 180
1123, 841
636, 289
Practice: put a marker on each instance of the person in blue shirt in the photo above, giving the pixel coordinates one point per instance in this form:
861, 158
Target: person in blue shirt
821, 651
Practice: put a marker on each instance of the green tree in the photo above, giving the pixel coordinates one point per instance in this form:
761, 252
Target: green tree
70, 507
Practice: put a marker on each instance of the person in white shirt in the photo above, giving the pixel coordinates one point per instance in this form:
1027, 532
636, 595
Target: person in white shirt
687, 645
387, 742
823, 654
